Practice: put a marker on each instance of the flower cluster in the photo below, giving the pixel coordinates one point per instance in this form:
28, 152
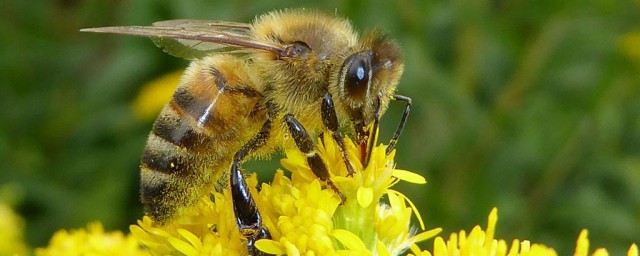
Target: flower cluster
299, 210
302, 215
481, 243
91, 241
305, 218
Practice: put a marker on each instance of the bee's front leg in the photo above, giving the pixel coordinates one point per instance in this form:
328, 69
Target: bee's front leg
305, 144
330, 120
403, 121
244, 207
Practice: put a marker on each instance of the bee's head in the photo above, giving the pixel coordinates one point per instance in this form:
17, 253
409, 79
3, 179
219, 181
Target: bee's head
368, 78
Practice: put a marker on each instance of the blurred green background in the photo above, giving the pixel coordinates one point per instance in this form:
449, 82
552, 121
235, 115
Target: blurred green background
529, 106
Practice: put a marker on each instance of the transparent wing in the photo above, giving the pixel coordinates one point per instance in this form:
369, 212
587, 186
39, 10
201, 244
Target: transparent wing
190, 49
191, 39
232, 27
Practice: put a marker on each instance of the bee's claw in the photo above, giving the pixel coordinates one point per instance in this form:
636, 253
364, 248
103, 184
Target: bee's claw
343, 199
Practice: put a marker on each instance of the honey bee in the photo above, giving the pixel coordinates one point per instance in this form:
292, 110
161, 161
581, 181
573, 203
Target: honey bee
253, 89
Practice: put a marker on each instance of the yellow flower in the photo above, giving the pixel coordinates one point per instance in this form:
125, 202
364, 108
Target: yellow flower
479, 242
628, 44
303, 216
12, 232
208, 228
92, 241
363, 224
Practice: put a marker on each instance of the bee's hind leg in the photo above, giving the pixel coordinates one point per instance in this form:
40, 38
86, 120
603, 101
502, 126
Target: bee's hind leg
305, 144
244, 207
330, 120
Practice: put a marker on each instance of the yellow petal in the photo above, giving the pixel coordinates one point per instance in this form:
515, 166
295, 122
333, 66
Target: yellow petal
440, 247
601, 252
382, 249
394, 199
633, 250
515, 247
365, 196
408, 176
525, 247
413, 206
582, 245
139, 233
193, 239
270, 246
182, 246
423, 236
502, 247
491, 226
291, 248
349, 240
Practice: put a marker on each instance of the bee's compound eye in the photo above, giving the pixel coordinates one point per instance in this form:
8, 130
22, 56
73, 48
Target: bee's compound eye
357, 74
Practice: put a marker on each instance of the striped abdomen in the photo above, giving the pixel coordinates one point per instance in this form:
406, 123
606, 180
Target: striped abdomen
212, 114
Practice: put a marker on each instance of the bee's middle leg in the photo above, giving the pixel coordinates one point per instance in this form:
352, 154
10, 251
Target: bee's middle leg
245, 210
305, 144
